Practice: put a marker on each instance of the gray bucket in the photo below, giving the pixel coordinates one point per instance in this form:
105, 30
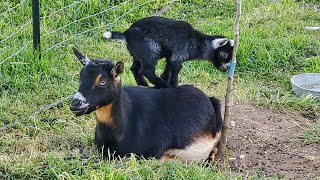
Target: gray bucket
306, 84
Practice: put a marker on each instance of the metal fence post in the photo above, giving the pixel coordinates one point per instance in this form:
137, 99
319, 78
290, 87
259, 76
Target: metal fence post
36, 25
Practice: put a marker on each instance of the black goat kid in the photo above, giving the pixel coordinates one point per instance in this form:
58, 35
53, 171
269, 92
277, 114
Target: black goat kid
162, 123
154, 38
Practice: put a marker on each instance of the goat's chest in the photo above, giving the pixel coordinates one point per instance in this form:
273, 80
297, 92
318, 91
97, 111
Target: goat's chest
104, 116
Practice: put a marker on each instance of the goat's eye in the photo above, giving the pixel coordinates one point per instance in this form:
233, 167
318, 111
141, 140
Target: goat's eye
224, 55
102, 83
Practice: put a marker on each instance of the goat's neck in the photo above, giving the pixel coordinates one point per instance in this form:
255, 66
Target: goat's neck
206, 50
113, 116
119, 113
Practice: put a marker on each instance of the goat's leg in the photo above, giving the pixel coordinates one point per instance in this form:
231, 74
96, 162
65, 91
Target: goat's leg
152, 77
156, 152
166, 75
137, 73
176, 67
149, 73
166, 157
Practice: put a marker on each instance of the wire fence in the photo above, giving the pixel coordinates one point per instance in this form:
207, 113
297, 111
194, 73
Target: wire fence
60, 22
15, 29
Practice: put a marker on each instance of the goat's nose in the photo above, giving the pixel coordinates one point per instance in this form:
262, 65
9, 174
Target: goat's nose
76, 102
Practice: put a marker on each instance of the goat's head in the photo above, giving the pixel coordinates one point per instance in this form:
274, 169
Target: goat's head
99, 84
222, 53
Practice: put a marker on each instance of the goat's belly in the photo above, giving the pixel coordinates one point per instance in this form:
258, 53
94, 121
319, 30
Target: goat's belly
199, 150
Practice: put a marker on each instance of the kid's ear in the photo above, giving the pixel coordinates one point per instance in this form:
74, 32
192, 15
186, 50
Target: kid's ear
219, 42
118, 69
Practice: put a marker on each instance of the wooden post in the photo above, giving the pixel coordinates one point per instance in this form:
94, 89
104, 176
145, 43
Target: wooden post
225, 126
36, 25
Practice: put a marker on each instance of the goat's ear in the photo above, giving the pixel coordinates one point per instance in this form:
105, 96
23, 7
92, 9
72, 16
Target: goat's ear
219, 42
83, 59
118, 69
231, 42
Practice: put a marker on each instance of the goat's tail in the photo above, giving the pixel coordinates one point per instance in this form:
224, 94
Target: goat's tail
114, 35
217, 109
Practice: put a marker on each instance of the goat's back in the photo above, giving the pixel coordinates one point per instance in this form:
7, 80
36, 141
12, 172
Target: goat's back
178, 114
169, 33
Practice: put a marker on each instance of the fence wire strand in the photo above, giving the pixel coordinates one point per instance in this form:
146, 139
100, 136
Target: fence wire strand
14, 7
16, 53
23, 35
108, 25
81, 19
16, 32
65, 7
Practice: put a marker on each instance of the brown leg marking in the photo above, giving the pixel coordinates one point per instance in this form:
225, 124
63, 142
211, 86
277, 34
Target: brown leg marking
166, 157
212, 155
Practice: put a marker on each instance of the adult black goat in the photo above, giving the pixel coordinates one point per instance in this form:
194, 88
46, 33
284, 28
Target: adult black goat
155, 37
149, 122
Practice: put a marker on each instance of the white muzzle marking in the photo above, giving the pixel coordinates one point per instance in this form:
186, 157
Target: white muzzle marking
81, 98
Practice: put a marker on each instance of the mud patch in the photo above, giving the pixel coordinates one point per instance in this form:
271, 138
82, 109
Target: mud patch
261, 141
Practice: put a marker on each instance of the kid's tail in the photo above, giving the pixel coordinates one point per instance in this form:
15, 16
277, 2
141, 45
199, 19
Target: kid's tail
114, 35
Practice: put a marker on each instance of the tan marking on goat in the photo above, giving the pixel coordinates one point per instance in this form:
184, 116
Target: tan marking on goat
199, 150
166, 157
213, 155
97, 81
103, 115
116, 81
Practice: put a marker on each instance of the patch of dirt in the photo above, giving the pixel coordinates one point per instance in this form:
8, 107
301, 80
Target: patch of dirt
261, 141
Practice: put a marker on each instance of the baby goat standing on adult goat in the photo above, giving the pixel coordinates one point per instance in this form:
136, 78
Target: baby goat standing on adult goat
154, 38
160, 123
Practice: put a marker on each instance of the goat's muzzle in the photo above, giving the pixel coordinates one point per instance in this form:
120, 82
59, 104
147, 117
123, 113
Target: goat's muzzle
77, 111
224, 67
78, 107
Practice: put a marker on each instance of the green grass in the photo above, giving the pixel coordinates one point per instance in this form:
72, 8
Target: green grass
311, 135
56, 144
75, 167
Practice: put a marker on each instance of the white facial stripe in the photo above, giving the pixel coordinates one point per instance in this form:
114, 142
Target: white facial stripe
81, 98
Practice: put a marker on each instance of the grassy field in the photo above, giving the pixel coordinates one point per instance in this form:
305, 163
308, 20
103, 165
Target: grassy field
56, 144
